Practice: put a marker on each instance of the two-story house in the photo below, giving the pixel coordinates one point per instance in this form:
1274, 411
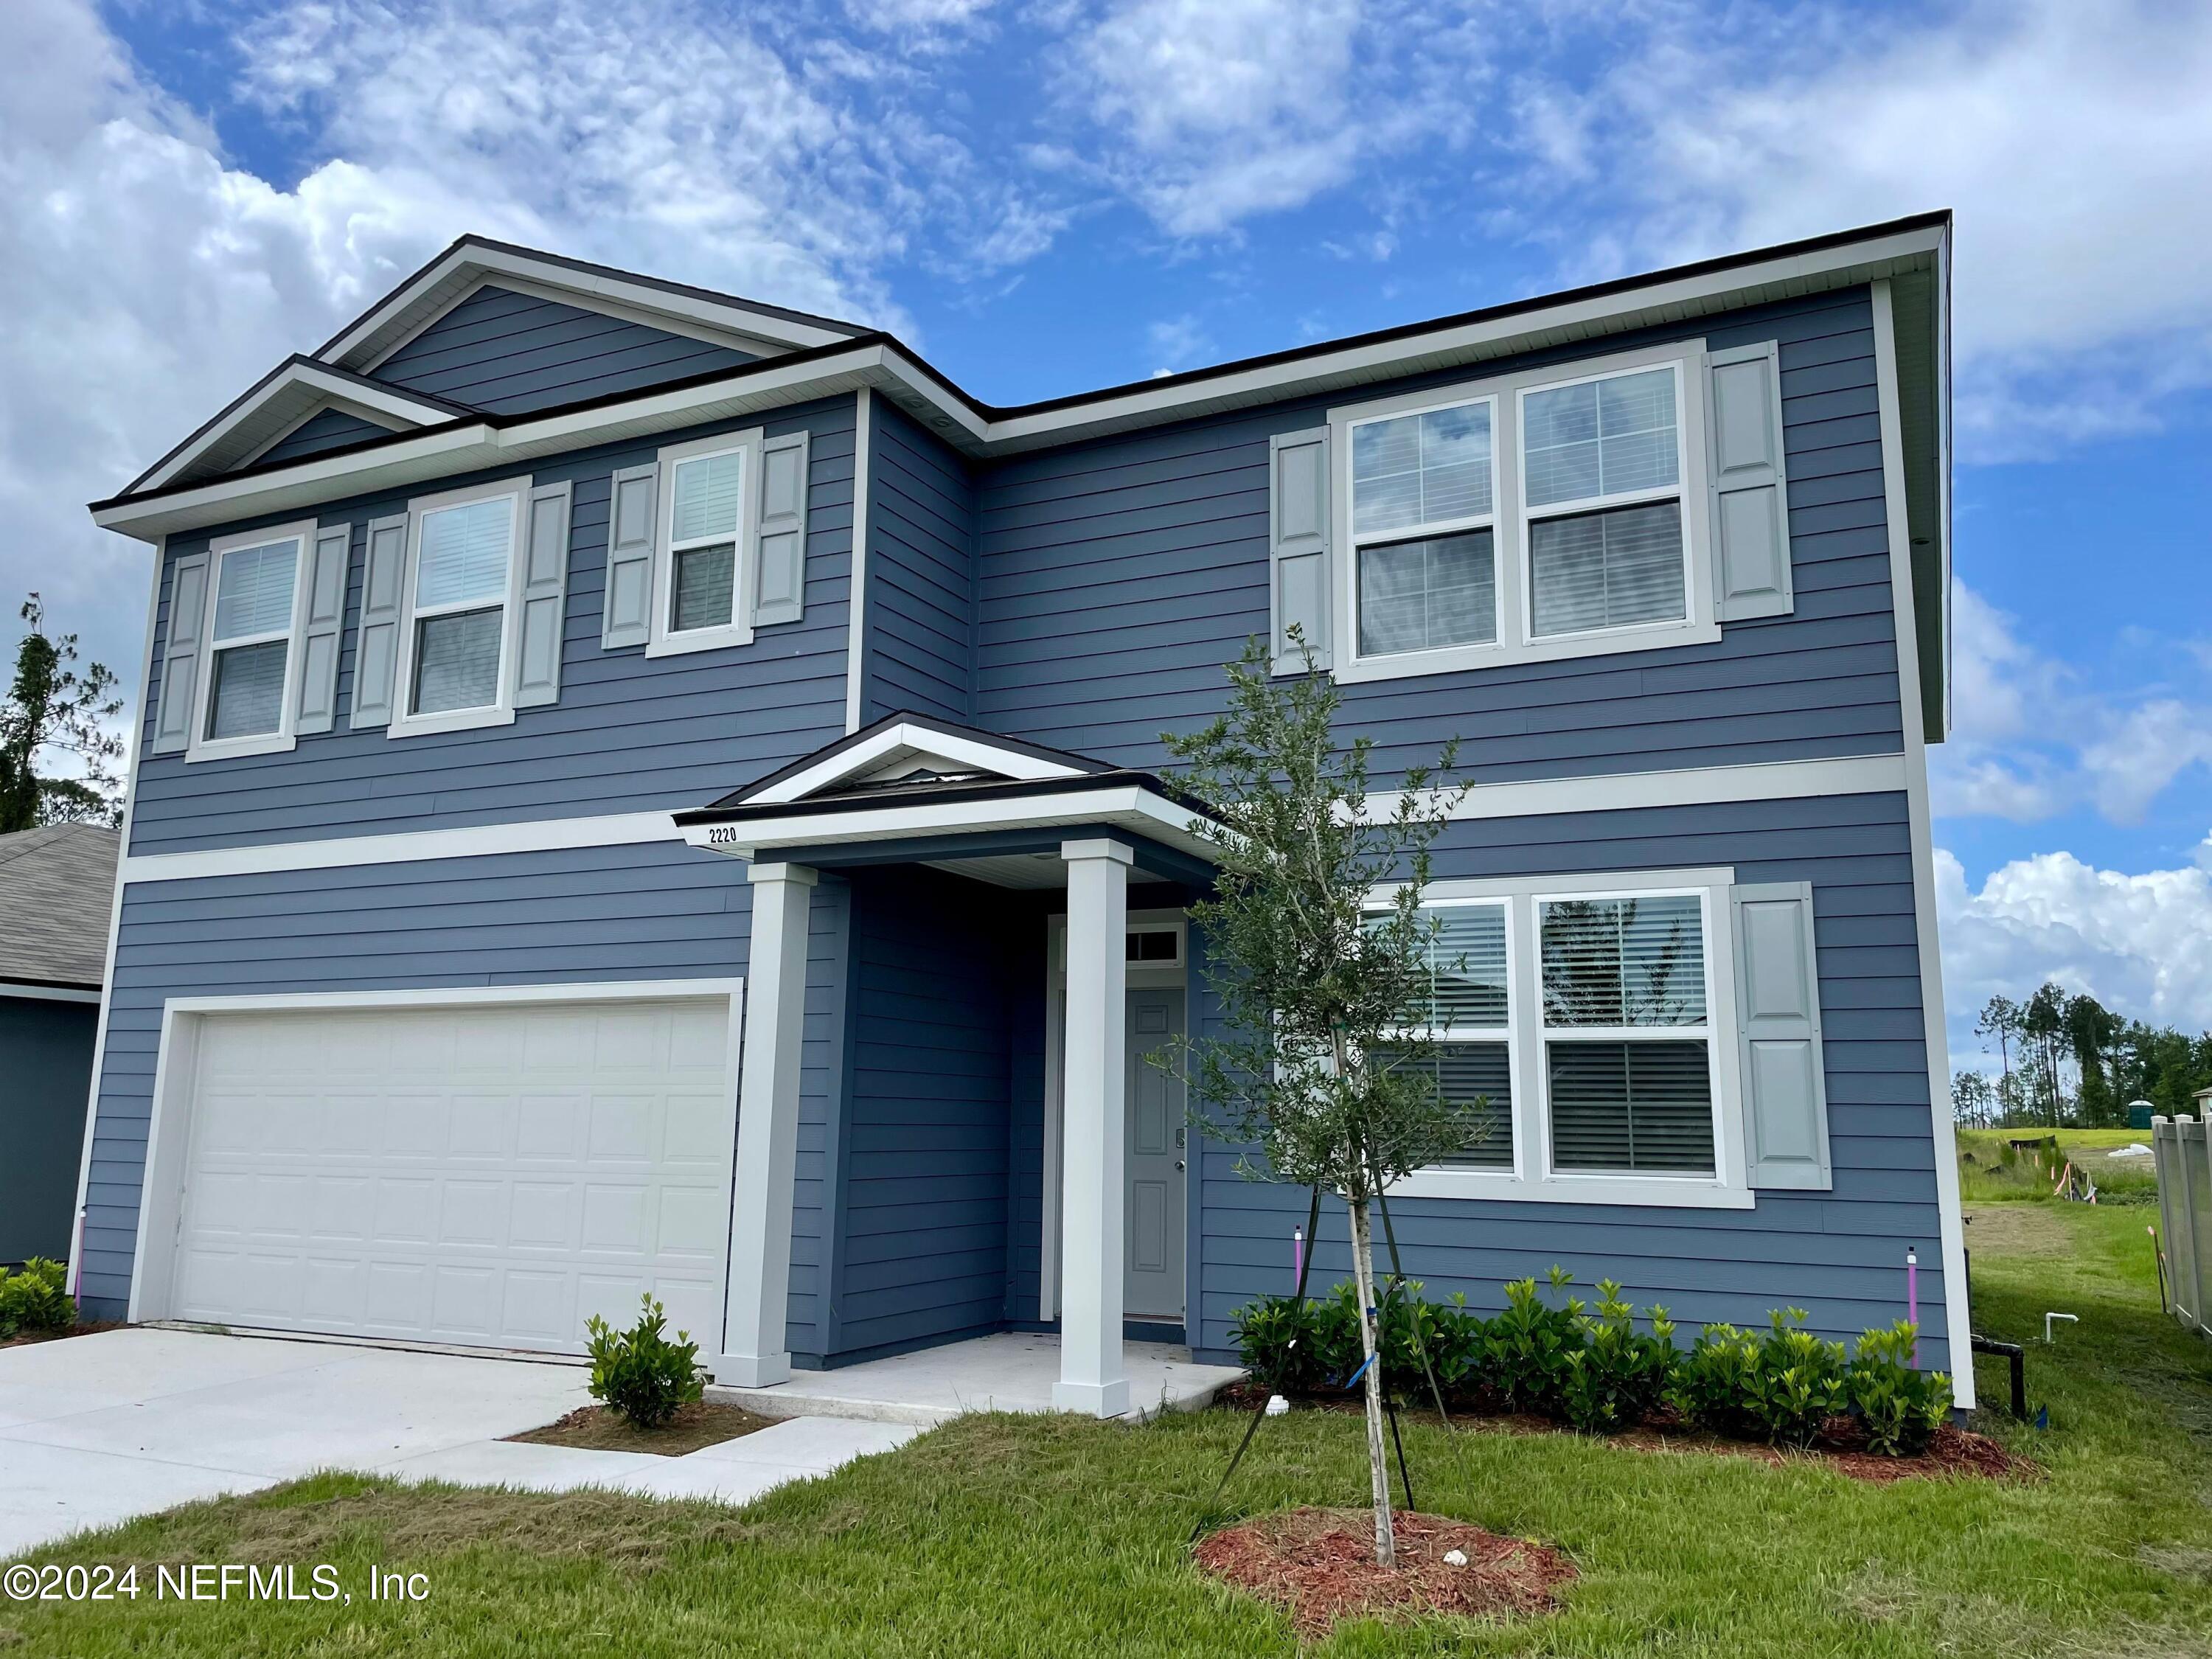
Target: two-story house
642, 790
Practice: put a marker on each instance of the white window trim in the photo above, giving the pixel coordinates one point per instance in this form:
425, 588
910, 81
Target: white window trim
1431, 529
1516, 642
198, 746
405, 723
1532, 1179
1517, 1169
662, 640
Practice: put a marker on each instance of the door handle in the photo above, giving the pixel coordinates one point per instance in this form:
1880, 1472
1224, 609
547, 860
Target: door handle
1178, 1166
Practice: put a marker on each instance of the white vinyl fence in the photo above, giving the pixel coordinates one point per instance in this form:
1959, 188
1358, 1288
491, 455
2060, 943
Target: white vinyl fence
2185, 1207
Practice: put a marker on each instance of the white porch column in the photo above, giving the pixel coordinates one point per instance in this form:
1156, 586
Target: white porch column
1093, 1196
753, 1352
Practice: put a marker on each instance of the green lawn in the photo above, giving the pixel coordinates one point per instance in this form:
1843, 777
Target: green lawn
1002, 1536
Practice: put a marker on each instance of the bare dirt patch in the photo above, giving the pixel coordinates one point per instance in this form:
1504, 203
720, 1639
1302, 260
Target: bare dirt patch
1319, 1564
24, 1339
597, 1428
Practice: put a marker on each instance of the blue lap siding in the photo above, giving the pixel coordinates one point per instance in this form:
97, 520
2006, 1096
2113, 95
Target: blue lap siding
920, 628
333, 429
1839, 1255
627, 734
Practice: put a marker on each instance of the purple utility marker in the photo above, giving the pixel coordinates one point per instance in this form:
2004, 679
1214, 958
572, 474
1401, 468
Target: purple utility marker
1298, 1254
1912, 1301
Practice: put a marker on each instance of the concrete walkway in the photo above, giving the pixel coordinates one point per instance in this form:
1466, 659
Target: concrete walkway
96, 1429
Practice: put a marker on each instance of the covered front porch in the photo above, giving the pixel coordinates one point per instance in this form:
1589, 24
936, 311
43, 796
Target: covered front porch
955, 1152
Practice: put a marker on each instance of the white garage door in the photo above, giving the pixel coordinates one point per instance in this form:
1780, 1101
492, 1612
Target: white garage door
469, 1174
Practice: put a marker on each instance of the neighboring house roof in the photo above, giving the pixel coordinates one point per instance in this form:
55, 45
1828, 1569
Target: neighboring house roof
57, 886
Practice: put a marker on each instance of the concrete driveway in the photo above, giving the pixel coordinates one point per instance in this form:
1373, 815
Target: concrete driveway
95, 1430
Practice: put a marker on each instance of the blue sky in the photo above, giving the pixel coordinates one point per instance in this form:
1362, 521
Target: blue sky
1045, 196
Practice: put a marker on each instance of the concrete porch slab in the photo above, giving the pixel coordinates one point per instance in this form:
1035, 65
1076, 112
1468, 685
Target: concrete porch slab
1011, 1372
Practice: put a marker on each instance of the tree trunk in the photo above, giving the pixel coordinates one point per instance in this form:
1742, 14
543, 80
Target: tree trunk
1378, 1464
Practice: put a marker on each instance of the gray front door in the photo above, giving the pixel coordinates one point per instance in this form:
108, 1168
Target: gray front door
1154, 1286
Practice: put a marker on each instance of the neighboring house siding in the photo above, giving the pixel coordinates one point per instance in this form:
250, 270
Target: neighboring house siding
1839, 1255
511, 353
1116, 577
331, 429
922, 591
628, 734
926, 1135
45, 1054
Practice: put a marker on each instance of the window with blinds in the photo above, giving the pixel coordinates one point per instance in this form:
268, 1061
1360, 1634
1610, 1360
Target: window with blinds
1602, 469
1626, 1035
1415, 477
1468, 1008
463, 567
255, 592
706, 498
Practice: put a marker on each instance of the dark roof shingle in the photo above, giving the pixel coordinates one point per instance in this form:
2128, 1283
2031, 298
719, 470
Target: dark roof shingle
56, 884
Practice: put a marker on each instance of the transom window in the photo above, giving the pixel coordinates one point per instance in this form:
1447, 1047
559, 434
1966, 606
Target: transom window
463, 570
706, 499
1627, 1043
255, 591
1602, 480
1414, 476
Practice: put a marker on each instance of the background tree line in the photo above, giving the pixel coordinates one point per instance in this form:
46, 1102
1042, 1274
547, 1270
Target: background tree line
2068, 1061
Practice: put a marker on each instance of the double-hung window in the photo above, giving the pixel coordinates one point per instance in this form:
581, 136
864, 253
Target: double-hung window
699, 578
458, 634
252, 668
1424, 532
1627, 1033
1468, 1010
1594, 1020
1601, 498
1548, 513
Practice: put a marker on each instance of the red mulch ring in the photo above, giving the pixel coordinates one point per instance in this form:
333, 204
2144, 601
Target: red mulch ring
1320, 1565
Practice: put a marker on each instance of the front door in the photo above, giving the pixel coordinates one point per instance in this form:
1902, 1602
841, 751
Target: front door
1154, 1286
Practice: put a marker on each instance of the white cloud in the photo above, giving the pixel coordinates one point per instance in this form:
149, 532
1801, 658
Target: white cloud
2030, 740
1177, 343
2073, 140
2141, 944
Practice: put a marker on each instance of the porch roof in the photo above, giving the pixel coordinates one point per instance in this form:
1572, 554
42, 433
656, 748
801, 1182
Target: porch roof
912, 789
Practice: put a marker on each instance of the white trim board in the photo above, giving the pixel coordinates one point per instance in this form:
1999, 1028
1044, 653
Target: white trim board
168, 1128
1951, 1221
925, 741
1687, 787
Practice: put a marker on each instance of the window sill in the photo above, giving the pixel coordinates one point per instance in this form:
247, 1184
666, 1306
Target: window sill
459, 720
1454, 659
1658, 1192
275, 742
698, 639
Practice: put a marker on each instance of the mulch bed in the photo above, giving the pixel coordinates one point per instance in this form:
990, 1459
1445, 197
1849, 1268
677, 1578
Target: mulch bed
1319, 1564
597, 1428
1842, 1446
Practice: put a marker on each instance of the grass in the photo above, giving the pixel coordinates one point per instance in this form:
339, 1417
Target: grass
1992, 1170
1008, 1536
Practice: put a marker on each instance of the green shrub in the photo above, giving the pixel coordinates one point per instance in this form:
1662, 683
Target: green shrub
1712, 1382
1901, 1407
1620, 1374
640, 1372
1795, 1382
34, 1298
1528, 1354
1283, 1344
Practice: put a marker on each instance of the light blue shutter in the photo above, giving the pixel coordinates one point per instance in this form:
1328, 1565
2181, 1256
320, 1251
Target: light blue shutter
780, 544
626, 616
545, 593
1750, 496
181, 656
376, 642
1298, 547
1777, 991
318, 644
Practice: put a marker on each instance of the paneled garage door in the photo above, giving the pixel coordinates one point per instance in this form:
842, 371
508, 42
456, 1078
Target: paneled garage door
488, 1175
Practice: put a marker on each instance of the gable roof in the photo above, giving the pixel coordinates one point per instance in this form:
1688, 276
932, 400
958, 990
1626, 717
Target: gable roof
909, 752
55, 886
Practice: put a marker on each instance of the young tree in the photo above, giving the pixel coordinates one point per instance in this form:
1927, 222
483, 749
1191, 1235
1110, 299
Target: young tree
50, 707
1325, 1065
